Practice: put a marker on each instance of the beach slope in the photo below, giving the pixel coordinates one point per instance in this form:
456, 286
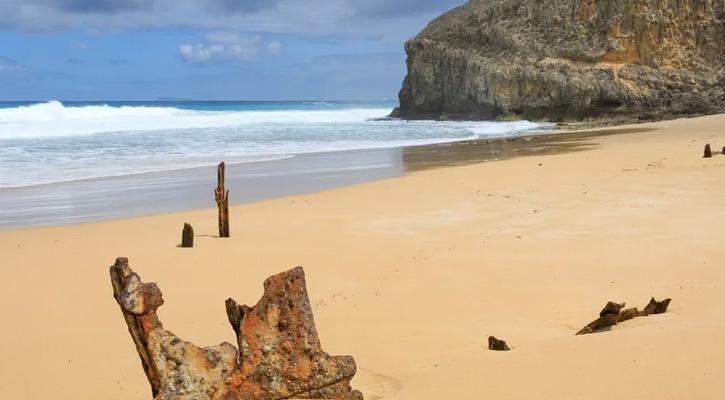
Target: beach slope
411, 275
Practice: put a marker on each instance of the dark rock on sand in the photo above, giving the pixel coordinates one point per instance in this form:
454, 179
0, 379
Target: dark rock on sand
568, 60
280, 355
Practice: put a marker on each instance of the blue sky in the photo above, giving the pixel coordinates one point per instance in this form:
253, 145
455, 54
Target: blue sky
207, 49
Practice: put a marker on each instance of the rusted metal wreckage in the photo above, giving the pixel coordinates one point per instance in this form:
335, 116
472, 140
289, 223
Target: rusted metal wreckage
278, 354
614, 313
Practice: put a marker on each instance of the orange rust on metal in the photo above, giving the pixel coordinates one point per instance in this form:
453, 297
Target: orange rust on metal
280, 357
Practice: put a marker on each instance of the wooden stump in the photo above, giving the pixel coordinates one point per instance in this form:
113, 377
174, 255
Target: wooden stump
708, 152
187, 236
222, 200
497, 345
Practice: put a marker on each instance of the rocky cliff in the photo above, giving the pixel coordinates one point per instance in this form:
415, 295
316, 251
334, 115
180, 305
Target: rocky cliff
568, 60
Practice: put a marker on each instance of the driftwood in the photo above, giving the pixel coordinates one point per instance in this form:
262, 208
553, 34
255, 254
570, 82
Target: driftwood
614, 313
497, 345
187, 236
708, 152
279, 355
221, 195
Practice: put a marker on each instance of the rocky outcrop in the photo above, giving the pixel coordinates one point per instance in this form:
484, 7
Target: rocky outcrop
568, 60
280, 355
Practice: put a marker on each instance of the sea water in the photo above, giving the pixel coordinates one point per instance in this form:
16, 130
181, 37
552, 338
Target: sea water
49, 142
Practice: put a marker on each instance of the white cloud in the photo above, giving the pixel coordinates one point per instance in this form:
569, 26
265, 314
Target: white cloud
381, 18
80, 45
275, 47
199, 53
222, 46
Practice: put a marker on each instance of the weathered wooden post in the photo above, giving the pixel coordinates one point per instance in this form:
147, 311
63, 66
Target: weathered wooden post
708, 152
222, 201
187, 236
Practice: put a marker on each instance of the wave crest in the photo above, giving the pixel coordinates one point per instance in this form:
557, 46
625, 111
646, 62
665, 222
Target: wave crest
53, 119
56, 111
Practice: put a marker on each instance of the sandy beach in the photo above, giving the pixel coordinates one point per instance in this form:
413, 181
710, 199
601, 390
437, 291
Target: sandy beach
411, 274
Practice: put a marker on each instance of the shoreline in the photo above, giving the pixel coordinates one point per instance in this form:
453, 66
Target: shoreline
411, 274
149, 193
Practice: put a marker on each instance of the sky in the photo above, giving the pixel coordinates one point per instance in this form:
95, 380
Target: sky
208, 49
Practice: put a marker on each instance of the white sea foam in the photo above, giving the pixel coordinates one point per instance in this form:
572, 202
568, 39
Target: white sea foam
56, 111
50, 142
68, 172
53, 119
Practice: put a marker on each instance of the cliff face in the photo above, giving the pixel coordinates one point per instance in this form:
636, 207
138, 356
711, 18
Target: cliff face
568, 60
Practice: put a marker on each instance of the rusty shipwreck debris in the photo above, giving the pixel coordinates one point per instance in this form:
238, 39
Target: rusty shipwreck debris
221, 196
708, 151
497, 345
187, 236
279, 358
614, 313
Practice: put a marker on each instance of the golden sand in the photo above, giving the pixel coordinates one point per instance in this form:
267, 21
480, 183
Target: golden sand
411, 275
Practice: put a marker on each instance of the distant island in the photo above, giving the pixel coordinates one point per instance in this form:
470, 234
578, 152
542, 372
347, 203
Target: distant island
567, 60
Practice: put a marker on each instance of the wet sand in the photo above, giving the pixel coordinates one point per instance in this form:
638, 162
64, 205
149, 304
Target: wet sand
188, 189
478, 151
411, 274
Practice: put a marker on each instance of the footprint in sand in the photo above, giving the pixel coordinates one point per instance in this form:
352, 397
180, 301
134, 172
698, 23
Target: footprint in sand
375, 386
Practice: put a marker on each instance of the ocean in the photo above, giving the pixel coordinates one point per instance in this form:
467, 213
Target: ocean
51, 142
